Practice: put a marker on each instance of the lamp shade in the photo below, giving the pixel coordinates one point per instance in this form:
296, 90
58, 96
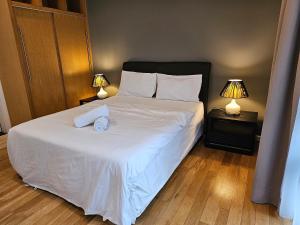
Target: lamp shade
100, 80
234, 88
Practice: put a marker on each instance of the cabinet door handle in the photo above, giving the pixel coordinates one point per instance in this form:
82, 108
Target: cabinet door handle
25, 54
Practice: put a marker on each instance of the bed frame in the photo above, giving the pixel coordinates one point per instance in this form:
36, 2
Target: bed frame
176, 68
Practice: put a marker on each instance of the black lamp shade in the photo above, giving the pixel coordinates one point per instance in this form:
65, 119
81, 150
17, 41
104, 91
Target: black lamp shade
234, 88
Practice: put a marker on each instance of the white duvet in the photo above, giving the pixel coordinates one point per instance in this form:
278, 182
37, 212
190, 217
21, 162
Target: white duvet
114, 173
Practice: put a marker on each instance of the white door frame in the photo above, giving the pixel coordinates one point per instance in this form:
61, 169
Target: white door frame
4, 116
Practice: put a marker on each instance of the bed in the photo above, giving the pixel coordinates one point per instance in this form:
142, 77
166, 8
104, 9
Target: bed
115, 173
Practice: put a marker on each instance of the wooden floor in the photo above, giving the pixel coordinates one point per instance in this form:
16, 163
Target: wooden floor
210, 187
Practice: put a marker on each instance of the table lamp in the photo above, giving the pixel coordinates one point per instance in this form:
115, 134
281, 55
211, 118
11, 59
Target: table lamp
100, 82
234, 89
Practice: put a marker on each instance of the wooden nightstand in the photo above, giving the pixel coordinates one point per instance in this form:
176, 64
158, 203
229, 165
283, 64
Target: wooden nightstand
233, 133
90, 99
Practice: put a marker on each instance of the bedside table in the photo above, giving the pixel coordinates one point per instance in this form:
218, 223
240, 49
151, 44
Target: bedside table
90, 99
232, 133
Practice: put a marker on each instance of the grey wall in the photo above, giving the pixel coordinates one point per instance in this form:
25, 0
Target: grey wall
237, 36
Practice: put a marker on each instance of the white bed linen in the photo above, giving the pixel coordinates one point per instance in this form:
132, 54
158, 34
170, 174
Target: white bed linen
114, 173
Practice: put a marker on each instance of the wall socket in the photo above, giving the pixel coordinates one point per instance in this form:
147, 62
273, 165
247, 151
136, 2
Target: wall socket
257, 137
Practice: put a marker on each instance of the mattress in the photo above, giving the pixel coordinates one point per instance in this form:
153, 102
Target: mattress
115, 173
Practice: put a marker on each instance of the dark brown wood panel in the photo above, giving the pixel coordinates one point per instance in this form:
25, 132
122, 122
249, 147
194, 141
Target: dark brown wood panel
37, 38
74, 55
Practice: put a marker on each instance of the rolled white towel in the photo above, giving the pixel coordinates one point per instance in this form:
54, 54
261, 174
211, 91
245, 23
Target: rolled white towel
89, 117
101, 124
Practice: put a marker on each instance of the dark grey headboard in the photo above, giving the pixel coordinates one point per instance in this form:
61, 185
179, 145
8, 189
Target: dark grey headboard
176, 68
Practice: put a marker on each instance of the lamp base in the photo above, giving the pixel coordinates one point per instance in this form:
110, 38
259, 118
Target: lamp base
102, 93
233, 108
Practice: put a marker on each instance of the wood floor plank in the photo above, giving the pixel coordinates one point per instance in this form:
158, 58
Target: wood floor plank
97, 220
42, 209
24, 213
53, 214
274, 217
262, 215
181, 213
179, 199
204, 193
60, 218
3, 139
225, 188
222, 216
166, 194
8, 207
248, 214
236, 209
210, 187
218, 205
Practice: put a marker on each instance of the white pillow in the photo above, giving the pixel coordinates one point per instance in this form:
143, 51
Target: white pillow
183, 88
137, 84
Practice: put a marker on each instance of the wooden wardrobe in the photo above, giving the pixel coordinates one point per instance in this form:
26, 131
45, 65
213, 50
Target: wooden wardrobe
53, 44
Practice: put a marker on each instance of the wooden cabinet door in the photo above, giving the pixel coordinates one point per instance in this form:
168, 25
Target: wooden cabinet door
37, 36
74, 55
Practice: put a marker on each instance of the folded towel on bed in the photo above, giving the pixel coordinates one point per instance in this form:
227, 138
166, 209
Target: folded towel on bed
101, 124
90, 117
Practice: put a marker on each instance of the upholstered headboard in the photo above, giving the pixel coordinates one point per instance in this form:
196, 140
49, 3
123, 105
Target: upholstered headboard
175, 68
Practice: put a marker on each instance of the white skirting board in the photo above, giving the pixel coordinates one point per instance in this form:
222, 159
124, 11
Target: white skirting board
4, 116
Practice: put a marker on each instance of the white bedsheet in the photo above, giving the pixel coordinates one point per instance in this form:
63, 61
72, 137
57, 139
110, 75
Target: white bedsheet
114, 173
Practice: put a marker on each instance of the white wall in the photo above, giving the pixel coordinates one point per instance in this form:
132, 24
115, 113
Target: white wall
290, 189
4, 116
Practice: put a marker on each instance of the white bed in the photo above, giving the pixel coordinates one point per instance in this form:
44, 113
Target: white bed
116, 173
